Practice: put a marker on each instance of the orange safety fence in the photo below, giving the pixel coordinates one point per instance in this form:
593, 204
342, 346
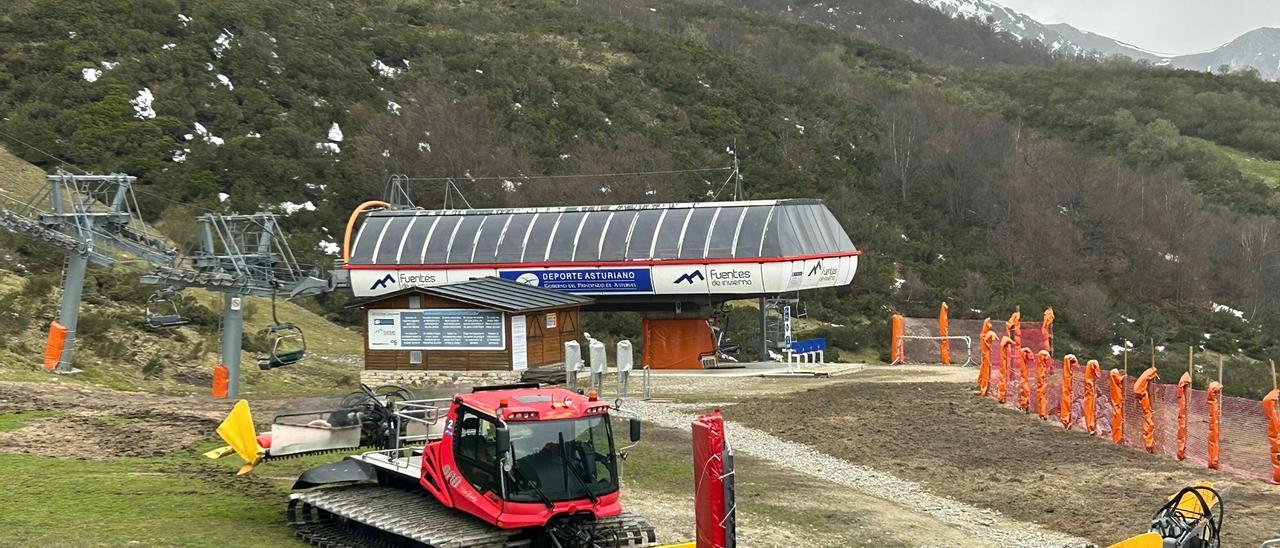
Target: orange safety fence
53, 347
984, 370
896, 346
1044, 366
1141, 389
1006, 358
1013, 328
1273, 431
1232, 434
1024, 386
908, 347
1117, 405
1091, 371
1046, 327
944, 345
1183, 384
1069, 364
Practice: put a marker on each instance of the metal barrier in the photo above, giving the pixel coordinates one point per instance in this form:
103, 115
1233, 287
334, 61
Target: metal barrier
806, 351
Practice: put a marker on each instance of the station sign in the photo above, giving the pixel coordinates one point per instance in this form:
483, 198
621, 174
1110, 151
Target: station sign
659, 279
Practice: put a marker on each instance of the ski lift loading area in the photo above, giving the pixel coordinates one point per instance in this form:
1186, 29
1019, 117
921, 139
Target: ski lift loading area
655, 253
676, 263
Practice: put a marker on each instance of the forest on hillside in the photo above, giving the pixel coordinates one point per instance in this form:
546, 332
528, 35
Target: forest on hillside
967, 167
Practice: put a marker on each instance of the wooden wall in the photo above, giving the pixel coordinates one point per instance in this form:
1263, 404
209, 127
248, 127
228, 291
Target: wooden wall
546, 346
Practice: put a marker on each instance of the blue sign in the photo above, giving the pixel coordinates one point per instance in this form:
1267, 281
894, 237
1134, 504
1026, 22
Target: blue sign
585, 280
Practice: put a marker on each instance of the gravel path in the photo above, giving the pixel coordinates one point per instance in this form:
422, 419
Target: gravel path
980, 523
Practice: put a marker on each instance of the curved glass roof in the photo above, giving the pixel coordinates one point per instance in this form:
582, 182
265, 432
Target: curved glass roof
769, 229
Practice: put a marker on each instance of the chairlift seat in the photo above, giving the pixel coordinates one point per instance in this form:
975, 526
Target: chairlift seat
163, 321
278, 357
280, 360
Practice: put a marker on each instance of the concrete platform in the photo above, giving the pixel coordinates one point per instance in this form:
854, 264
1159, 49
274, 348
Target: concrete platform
763, 369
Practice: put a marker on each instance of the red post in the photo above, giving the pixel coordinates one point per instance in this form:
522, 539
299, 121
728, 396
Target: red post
711, 507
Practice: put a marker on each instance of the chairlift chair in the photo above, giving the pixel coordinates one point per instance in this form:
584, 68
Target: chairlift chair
287, 346
161, 311
285, 341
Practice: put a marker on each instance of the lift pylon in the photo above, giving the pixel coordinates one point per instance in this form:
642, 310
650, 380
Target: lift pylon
95, 219
240, 256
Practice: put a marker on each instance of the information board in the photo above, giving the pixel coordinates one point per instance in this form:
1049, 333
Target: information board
436, 329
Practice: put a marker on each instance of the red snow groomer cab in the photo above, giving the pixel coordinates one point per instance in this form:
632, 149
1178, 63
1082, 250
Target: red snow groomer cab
512, 465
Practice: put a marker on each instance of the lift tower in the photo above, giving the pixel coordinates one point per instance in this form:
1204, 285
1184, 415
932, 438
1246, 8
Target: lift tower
95, 219
240, 256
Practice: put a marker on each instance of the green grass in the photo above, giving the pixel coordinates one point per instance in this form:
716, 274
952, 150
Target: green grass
171, 501
13, 421
1266, 170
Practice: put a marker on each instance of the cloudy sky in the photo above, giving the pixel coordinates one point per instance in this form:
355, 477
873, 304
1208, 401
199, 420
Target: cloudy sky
1165, 26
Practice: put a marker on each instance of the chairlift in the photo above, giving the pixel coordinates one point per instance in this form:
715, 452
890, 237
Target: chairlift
285, 342
161, 311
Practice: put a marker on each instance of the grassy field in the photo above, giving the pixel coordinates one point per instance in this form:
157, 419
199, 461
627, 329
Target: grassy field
1266, 170
178, 500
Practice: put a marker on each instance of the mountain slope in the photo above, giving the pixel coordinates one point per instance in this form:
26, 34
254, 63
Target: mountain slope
1258, 49
1101, 45
990, 188
1005, 20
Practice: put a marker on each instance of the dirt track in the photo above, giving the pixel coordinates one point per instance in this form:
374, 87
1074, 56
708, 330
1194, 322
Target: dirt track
959, 445
101, 423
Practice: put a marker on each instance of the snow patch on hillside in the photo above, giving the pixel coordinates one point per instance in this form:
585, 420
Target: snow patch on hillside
222, 42
1228, 310
383, 69
206, 135
142, 104
335, 133
289, 208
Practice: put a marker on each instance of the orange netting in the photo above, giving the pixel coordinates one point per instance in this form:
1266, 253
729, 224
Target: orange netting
1229, 433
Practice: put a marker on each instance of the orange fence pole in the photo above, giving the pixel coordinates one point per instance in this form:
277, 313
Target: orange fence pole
1117, 406
895, 340
1006, 357
945, 345
1046, 327
1024, 384
1273, 431
1013, 328
984, 371
53, 347
1184, 384
1091, 371
1069, 364
1044, 365
1140, 389
1215, 413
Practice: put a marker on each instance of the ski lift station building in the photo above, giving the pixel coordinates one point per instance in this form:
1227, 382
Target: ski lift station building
657, 258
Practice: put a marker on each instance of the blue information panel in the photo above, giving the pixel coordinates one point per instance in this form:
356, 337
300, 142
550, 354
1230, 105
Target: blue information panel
436, 330
586, 280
